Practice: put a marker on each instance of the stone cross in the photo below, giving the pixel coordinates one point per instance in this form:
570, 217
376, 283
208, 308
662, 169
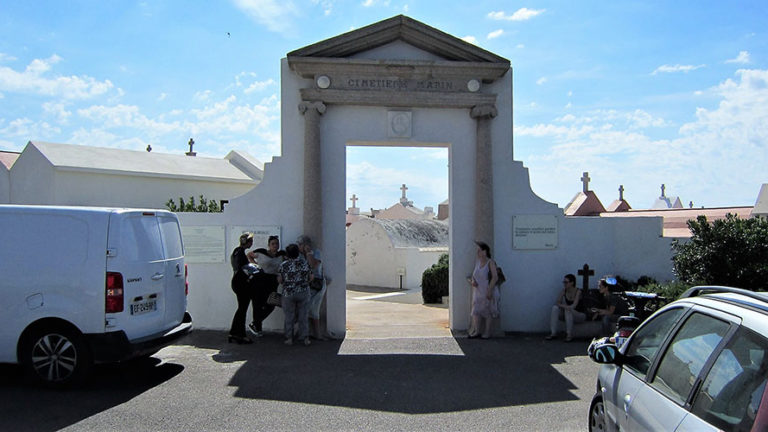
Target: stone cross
354, 200
190, 152
403, 188
585, 181
621, 192
585, 272
662, 190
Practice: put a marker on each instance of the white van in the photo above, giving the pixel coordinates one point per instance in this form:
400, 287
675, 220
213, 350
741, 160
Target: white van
80, 285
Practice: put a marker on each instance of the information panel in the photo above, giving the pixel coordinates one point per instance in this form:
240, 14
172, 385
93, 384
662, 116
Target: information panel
204, 244
534, 232
261, 234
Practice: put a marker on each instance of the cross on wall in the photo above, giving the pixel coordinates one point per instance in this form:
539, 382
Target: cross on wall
585, 272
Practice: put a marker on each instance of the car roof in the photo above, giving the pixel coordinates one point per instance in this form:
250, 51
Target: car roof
751, 307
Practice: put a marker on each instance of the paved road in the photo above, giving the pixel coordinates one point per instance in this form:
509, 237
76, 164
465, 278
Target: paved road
382, 383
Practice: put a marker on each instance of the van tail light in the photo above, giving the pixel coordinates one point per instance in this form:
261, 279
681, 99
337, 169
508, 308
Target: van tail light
186, 280
114, 302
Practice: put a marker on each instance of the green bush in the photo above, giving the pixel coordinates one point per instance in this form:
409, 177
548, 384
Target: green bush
434, 281
730, 251
671, 291
205, 206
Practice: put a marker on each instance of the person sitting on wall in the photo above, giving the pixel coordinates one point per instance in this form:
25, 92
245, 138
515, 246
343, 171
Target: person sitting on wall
615, 307
568, 308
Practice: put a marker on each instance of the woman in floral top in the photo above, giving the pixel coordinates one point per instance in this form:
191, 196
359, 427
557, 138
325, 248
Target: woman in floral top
294, 274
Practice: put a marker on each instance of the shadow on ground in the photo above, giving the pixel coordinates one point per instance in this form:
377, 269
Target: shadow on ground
503, 372
107, 386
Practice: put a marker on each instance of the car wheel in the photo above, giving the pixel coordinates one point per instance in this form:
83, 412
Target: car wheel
597, 414
55, 356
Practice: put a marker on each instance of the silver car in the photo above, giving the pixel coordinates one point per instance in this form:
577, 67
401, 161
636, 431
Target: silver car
698, 364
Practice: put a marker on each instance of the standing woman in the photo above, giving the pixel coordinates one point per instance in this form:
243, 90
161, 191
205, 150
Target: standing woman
240, 286
266, 281
483, 280
317, 287
295, 275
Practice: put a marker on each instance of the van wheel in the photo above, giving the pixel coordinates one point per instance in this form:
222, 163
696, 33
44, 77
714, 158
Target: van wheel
597, 414
55, 357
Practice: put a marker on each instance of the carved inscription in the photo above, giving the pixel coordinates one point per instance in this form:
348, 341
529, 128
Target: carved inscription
397, 84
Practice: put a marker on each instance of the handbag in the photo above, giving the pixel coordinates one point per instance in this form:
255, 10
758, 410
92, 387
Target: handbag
275, 299
500, 275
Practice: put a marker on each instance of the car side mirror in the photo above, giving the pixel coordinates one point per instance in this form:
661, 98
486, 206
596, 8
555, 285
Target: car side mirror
606, 354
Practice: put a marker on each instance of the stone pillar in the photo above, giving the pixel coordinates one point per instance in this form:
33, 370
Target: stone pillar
313, 199
484, 114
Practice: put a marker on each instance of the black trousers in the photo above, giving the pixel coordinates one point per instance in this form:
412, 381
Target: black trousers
244, 296
263, 284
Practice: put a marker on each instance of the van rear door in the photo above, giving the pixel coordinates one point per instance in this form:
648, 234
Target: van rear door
175, 277
135, 252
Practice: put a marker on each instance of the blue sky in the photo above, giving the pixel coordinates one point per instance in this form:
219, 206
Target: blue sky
638, 93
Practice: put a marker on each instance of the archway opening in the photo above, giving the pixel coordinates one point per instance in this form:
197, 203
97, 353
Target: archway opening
397, 227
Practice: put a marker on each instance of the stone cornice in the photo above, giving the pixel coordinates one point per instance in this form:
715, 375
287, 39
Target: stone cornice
310, 67
403, 28
420, 99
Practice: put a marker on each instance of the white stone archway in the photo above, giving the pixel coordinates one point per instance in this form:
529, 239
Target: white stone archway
400, 82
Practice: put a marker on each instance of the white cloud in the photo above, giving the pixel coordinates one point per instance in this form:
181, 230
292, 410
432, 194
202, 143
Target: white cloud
33, 81
369, 3
470, 39
520, 46
202, 96
326, 5
258, 86
162, 97
496, 33
57, 110
541, 80
676, 68
521, 14
275, 15
722, 153
6, 58
26, 129
742, 58
368, 179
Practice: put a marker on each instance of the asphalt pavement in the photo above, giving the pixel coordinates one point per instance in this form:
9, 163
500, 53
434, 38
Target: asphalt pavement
415, 376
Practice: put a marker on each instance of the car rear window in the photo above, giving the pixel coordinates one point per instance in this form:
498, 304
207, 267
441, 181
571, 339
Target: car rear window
686, 355
734, 387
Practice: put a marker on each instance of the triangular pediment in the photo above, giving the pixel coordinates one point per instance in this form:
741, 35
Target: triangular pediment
399, 28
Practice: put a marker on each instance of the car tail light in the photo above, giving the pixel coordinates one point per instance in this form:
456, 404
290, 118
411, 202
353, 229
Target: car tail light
114, 292
186, 280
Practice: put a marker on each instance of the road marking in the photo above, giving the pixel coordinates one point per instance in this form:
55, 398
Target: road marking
377, 296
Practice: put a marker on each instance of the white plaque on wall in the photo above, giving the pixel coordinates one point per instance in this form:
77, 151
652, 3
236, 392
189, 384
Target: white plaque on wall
261, 234
534, 232
204, 244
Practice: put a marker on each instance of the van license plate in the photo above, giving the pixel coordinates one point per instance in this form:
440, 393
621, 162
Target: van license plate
143, 307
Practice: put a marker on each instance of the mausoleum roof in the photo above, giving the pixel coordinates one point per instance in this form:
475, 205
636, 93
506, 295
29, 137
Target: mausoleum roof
8, 158
414, 232
70, 157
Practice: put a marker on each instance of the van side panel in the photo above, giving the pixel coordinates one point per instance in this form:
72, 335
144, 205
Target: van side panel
175, 289
52, 265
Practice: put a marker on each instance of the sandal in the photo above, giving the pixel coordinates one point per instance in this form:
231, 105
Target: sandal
550, 337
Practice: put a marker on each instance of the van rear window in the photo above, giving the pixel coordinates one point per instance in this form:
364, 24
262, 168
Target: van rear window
169, 228
146, 244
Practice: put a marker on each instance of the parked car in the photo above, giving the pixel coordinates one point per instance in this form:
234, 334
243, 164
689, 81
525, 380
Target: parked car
80, 285
699, 363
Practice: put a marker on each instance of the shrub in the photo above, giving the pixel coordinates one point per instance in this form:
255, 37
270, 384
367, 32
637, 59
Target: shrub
730, 251
205, 206
434, 281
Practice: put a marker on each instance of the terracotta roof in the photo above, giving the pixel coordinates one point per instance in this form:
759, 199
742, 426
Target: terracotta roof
675, 220
584, 204
8, 158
